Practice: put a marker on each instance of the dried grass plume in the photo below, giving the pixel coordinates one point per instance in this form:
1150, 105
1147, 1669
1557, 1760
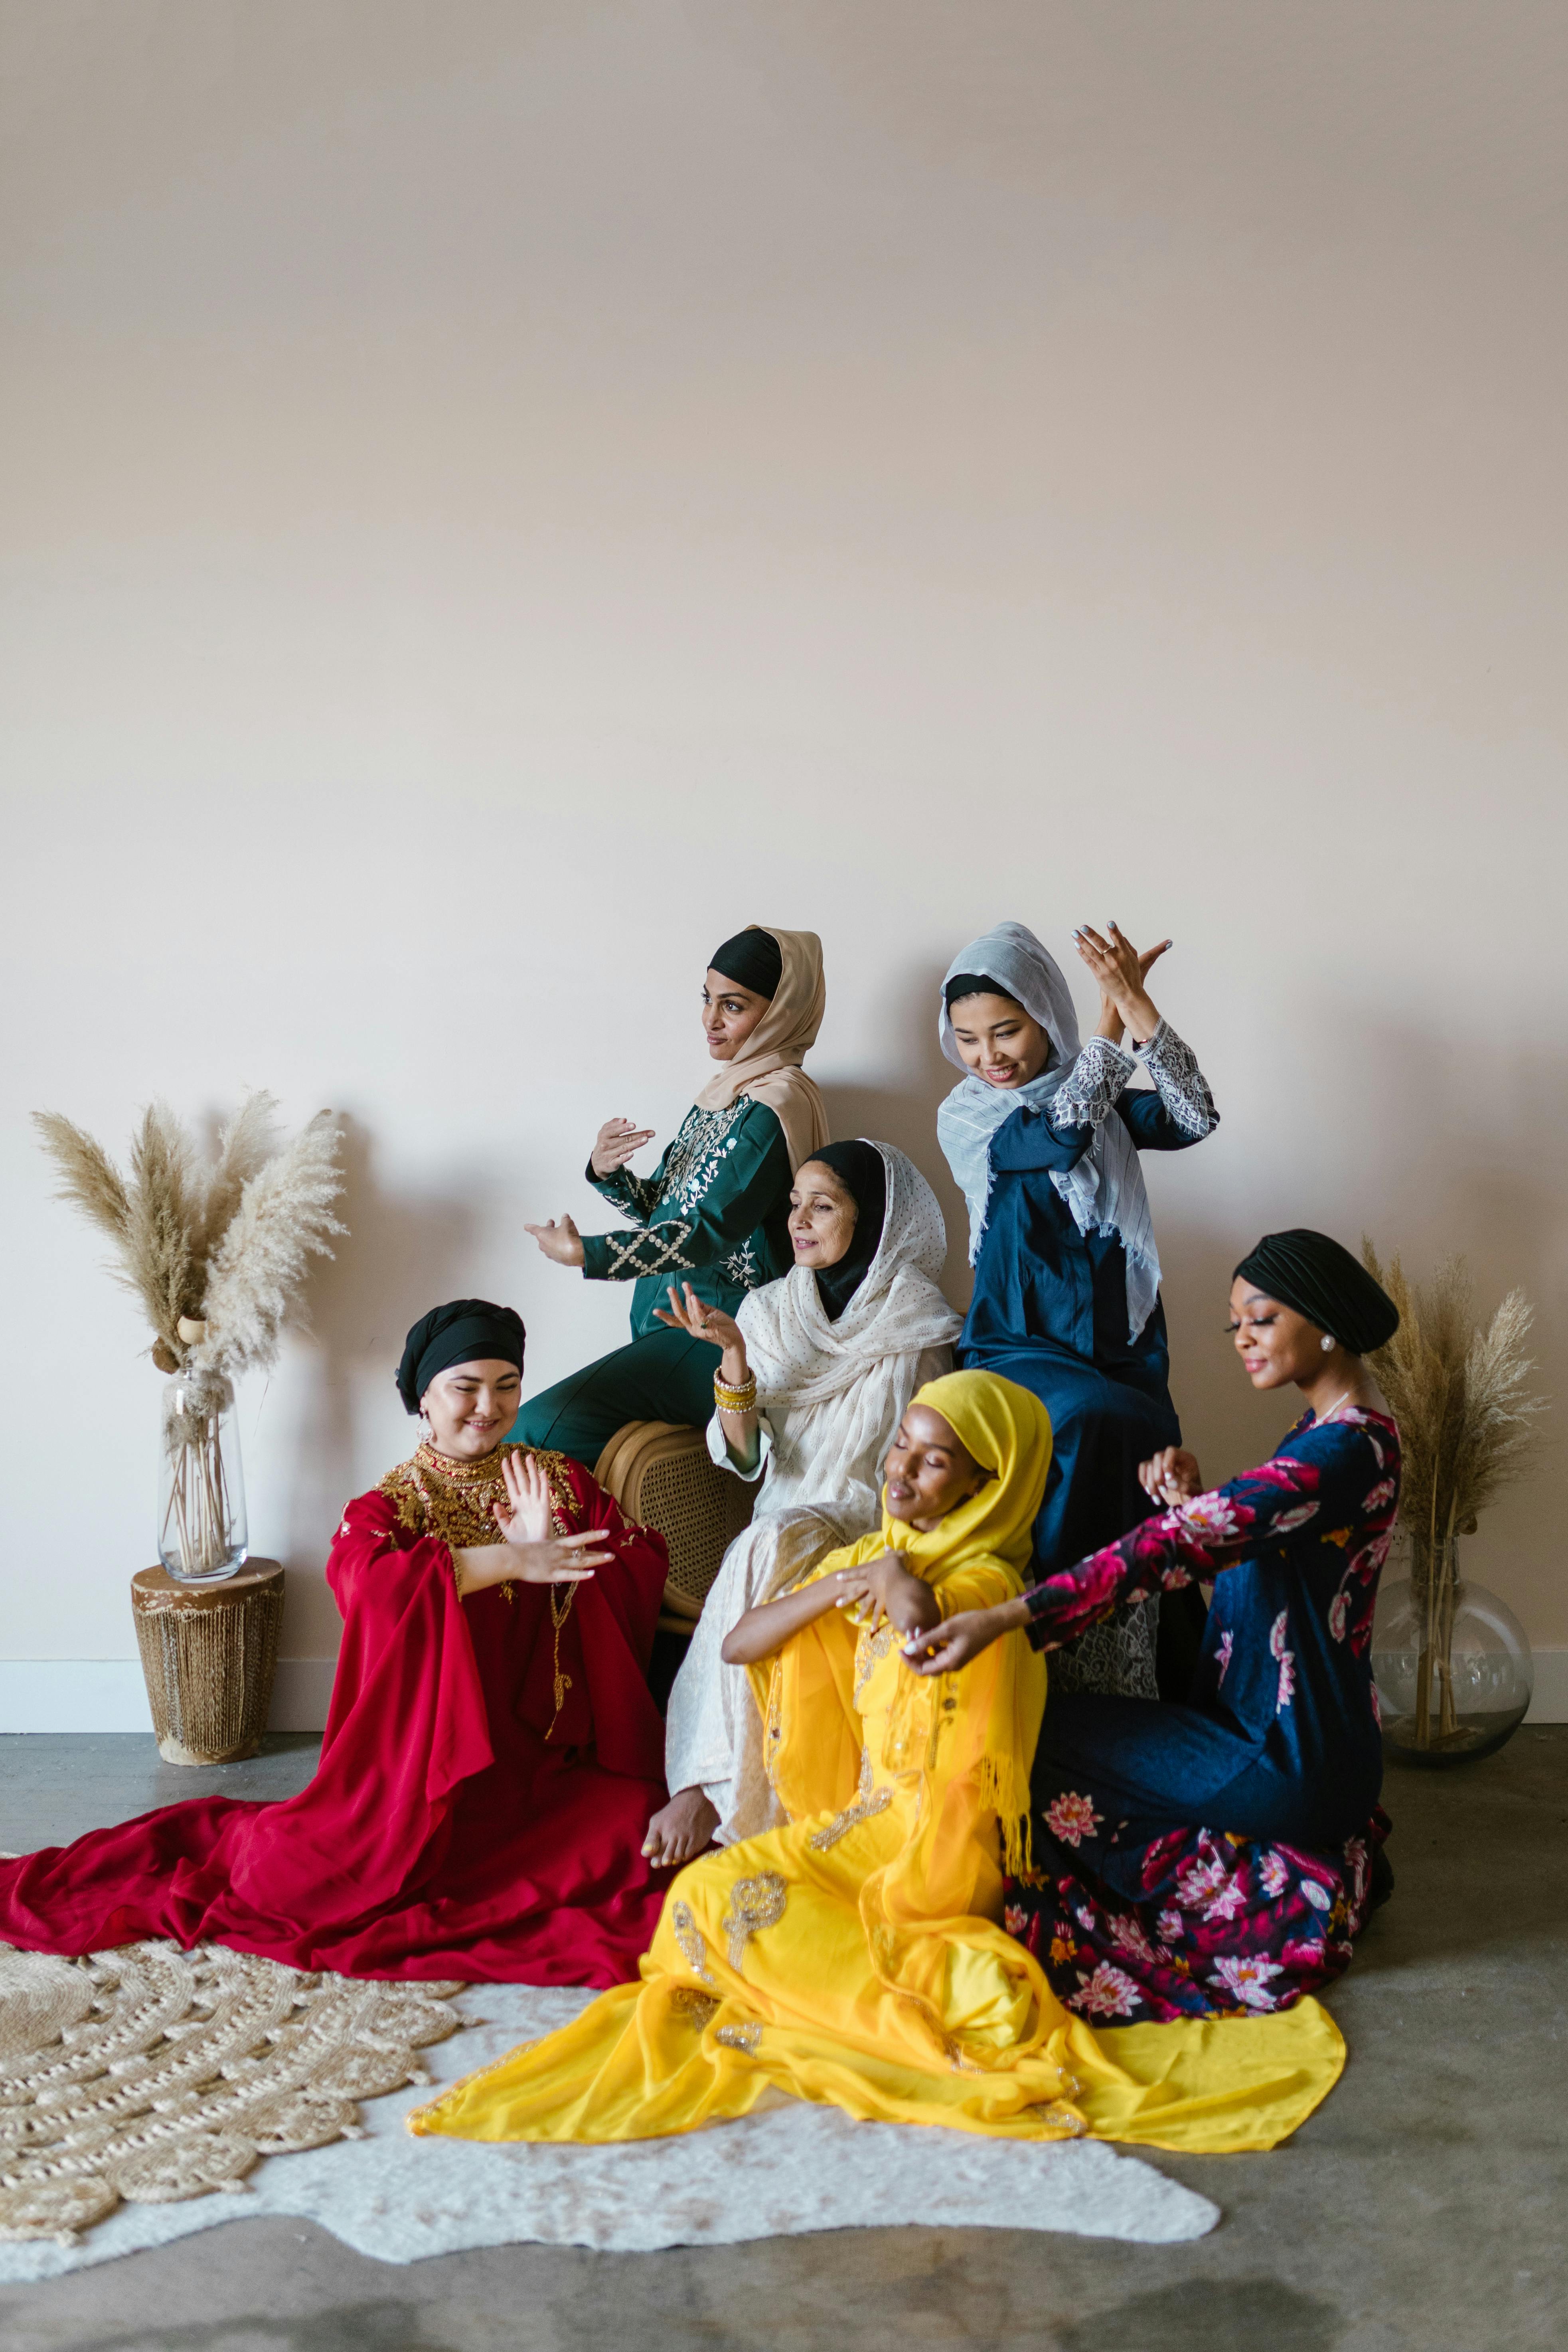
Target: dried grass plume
221, 1240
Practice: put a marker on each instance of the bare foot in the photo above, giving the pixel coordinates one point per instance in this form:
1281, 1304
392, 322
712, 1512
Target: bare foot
681, 1829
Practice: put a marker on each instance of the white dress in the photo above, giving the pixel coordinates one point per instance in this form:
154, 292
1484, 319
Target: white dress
829, 1396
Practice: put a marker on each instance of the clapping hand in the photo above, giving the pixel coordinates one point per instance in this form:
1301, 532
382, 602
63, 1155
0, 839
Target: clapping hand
528, 1530
617, 1142
1172, 1476
1121, 971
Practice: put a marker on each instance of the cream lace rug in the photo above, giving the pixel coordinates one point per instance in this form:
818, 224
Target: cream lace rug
148, 2093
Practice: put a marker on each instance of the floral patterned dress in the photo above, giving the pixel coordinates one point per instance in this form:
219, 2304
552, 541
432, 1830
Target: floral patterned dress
1214, 1859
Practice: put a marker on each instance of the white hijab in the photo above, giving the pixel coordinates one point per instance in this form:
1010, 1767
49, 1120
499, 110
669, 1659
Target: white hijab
1105, 1191
837, 1390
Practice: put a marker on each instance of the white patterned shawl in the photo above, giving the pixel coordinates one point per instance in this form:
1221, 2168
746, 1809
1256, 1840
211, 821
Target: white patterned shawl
834, 1393
1105, 1191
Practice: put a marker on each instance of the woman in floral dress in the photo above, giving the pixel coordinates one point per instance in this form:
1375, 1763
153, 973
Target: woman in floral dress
1216, 1858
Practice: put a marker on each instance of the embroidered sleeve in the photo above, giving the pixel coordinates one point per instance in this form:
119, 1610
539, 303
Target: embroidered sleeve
637, 1197
1181, 1084
1315, 1477
726, 1172
1089, 1093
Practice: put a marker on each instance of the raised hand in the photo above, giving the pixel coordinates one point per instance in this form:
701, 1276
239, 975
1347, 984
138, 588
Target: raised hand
1120, 970
560, 1241
617, 1142
691, 1314
1172, 1476
530, 1520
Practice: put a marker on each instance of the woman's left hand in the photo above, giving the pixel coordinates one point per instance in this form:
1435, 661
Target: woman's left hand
1121, 971
560, 1241
884, 1590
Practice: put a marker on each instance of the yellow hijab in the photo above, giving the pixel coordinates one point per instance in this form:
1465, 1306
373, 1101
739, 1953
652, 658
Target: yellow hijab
768, 1066
977, 1555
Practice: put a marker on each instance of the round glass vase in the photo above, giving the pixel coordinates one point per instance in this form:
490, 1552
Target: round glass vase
1451, 1662
202, 1532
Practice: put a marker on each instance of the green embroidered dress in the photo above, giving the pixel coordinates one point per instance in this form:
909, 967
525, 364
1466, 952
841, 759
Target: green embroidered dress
713, 1214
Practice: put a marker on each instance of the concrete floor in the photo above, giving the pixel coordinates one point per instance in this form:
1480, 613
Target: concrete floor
1421, 2209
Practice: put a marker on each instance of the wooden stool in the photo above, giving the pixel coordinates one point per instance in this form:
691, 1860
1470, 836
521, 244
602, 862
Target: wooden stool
662, 1475
209, 1652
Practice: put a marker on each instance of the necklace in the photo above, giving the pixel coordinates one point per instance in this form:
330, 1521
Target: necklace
1320, 1417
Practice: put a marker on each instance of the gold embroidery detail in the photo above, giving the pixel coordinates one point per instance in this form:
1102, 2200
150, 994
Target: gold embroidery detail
867, 1801
697, 2008
870, 1652
1062, 2119
754, 1904
747, 2038
693, 1944
436, 1496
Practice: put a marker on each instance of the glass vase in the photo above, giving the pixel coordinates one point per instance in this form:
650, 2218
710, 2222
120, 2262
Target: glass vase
202, 1533
1451, 1662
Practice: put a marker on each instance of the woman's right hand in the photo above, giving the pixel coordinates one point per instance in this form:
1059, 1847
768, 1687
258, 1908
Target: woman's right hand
617, 1142
693, 1315
1171, 1477
958, 1640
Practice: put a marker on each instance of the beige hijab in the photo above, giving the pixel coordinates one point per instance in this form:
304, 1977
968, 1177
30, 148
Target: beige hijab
767, 1066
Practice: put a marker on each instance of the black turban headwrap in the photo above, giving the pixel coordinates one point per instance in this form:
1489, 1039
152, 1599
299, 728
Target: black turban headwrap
753, 960
973, 984
1319, 1277
464, 1331
862, 1171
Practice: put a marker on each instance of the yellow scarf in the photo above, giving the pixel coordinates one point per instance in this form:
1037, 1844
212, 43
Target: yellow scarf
977, 1555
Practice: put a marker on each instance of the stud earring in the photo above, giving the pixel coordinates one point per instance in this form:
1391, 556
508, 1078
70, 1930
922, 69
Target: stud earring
1327, 1345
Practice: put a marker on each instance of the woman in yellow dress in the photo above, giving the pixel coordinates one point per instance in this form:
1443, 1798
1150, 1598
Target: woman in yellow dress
855, 1956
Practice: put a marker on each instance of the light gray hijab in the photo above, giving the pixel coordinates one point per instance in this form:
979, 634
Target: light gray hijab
1105, 1191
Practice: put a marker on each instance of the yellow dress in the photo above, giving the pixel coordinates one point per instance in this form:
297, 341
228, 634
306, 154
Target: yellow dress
856, 1956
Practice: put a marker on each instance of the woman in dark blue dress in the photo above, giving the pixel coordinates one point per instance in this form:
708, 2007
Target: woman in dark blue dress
1044, 1136
1218, 1857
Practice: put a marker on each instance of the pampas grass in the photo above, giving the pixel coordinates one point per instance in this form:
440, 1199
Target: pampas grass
1467, 1422
216, 1247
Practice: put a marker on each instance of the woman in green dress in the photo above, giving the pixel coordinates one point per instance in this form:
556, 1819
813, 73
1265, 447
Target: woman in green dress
713, 1214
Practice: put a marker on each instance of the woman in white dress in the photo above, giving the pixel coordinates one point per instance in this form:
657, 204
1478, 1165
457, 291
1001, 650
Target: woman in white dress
815, 1372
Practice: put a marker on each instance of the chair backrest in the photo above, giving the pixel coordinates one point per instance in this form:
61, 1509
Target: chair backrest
661, 1475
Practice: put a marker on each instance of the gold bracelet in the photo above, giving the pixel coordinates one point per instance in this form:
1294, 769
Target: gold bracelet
731, 1399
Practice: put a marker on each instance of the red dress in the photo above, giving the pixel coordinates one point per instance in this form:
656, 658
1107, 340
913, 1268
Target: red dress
485, 1785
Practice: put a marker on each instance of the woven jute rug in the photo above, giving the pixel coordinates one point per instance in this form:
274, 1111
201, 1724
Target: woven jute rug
141, 2091
147, 2074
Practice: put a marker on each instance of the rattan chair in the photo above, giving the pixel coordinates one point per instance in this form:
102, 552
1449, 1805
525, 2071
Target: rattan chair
661, 1475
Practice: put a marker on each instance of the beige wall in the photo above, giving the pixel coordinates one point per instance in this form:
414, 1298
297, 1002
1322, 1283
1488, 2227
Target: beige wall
498, 496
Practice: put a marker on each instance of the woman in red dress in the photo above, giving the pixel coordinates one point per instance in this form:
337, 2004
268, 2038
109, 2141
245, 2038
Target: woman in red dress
492, 1752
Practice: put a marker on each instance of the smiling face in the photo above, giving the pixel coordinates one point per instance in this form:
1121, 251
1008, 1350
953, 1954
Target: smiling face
998, 1040
1275, 1344
730, 1013
822, 1216
930, 1470
471, 1407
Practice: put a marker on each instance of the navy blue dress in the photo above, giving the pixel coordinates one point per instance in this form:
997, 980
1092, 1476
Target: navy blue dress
1049, 1309
1216, 1857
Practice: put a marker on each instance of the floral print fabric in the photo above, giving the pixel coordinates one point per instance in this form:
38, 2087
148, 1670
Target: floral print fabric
1214, 1858
1223, 1925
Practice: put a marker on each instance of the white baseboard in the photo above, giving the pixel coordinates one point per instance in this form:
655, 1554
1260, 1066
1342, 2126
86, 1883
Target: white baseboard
108, 1694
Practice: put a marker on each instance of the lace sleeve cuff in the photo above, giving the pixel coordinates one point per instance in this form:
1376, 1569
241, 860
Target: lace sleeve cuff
1088, 1095
1181, 1087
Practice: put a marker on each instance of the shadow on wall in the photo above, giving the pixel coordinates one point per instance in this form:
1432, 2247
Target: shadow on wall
400, 1254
